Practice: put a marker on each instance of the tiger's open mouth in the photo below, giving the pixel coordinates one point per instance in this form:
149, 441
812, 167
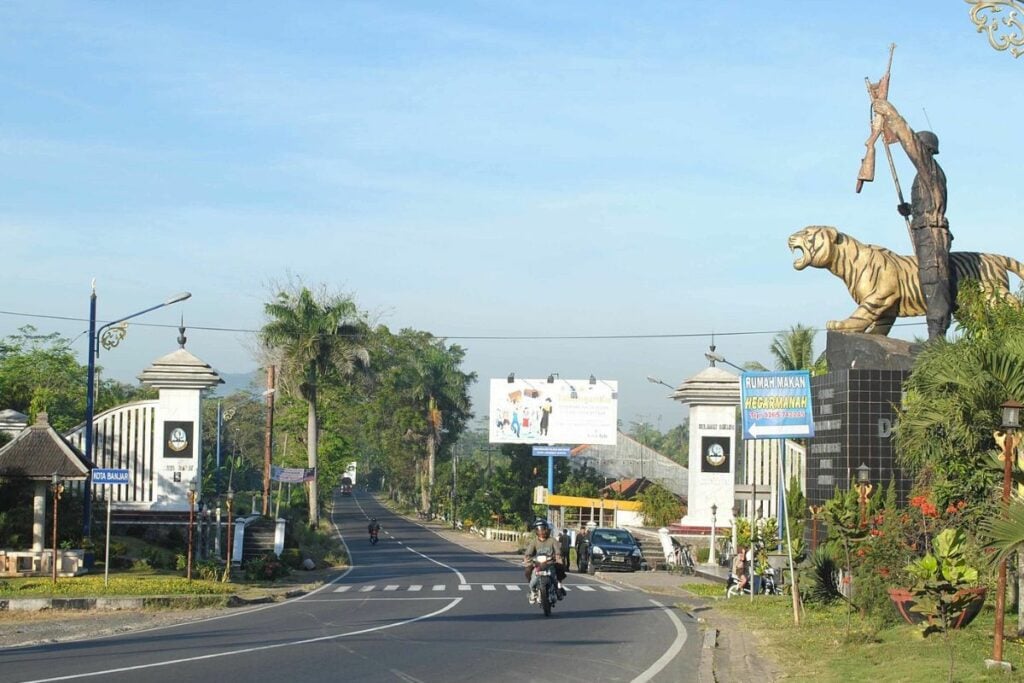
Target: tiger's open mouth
797, 246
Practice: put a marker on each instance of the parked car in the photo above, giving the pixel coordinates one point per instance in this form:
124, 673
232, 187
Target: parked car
615, 550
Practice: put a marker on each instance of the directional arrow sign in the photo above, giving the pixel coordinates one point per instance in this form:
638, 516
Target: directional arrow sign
776, 405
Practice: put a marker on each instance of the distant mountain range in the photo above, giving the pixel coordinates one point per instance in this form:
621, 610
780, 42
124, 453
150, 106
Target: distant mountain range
241, 381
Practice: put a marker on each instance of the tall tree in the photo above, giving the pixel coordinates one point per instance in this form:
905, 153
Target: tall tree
316, 336
440, 391
794, 350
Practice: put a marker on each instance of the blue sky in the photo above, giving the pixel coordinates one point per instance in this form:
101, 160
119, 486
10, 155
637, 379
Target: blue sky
477, 169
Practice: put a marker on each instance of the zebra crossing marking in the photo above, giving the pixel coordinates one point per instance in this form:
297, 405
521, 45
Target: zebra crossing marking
441, 587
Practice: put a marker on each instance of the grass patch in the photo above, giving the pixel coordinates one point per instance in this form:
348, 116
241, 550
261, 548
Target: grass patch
705, 590
129, 584
824, 650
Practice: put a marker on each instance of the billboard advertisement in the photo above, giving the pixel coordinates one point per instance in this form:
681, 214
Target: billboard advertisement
562, 411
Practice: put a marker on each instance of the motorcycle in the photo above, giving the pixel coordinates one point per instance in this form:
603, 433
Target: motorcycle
373, 536
766, 581
547, 585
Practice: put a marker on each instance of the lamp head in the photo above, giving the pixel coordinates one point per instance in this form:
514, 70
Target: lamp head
178, 297
551, 377
714, 509
863, 474
1011, 414
511, 377
593, 380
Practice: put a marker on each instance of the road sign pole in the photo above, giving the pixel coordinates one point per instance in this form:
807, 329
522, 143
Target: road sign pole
106, 554
551, 474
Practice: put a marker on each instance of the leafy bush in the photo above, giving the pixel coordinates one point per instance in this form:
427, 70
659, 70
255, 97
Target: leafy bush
206, 570
821, 582
266, 567
292, 557
660, 506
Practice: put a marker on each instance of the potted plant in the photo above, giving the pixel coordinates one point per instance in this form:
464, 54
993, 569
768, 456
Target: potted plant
944, 593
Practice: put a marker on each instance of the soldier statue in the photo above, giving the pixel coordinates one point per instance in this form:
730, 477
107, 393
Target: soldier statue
927, 212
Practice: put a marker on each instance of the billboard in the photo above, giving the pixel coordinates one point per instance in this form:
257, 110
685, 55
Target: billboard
563, 411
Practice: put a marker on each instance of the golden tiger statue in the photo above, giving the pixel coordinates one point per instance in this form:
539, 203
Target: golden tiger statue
884, 284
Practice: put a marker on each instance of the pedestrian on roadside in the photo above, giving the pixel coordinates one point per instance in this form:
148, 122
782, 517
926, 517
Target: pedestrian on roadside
582, 545
564, 544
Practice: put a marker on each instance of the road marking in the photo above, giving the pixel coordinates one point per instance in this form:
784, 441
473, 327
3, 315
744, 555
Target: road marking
342, 589
586, 588
247, 650
465, 587
439, 587
512, 587
462, 579
488, 586
367, 589
610, 589
392, 587
415, 587
670, 653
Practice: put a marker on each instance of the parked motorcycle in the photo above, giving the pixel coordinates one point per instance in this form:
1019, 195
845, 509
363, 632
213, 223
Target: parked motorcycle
766, 584
547, 586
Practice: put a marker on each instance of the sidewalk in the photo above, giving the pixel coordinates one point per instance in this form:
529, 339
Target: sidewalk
728, 654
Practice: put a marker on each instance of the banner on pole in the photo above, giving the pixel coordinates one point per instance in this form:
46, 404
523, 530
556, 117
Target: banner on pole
292, 475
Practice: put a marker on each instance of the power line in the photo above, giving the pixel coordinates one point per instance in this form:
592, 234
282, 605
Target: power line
535, 337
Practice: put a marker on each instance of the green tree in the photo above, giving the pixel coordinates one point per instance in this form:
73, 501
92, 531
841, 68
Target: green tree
660, 506
316, 336
794, 350
953, 395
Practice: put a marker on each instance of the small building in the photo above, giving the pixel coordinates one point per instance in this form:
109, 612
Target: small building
41, 455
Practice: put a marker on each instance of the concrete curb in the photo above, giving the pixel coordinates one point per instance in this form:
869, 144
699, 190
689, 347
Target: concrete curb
142, 602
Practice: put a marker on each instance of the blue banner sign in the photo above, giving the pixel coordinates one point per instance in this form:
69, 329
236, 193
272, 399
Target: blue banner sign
101, 476
776, 405
552, 451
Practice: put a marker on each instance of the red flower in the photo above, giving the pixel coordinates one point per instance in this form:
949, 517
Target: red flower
883, 572
951, 509
877, 532
961, 505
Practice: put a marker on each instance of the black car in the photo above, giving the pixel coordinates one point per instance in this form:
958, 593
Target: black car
613, 549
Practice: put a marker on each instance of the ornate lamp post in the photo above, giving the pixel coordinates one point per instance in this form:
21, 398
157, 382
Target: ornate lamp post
108, 336
1010, 424
815, 511
863, 491
712, 560
230, 503
191, 525
57, 487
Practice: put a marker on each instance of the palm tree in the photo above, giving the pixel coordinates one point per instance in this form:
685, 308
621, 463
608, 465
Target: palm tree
439, 390
794, 350
316, 337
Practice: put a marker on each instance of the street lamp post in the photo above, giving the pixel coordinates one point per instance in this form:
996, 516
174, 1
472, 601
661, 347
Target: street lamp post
96, 339
230, 502
718, 358
1010, 424
57, 486
712, 560
654, 380
191, 525
863, 491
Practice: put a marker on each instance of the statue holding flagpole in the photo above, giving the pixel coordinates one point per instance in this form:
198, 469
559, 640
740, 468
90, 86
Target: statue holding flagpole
925, 215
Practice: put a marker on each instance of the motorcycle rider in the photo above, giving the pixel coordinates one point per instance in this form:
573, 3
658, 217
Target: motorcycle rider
542, 544
374, 526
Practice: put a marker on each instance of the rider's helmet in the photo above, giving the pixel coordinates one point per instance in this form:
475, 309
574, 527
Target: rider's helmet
929, 140
373, 519
540, 524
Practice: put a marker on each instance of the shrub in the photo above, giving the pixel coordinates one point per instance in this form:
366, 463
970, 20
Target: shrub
292, 557
266, 567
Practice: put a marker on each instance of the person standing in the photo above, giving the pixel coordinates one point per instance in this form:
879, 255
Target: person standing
929, 227
564, 544
582, 545
739, 568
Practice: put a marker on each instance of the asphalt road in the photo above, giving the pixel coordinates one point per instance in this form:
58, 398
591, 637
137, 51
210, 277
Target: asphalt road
413, 608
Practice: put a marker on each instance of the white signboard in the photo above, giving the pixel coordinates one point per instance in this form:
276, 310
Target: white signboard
565, 411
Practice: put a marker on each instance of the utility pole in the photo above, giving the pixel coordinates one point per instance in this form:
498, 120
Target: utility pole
268, 440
